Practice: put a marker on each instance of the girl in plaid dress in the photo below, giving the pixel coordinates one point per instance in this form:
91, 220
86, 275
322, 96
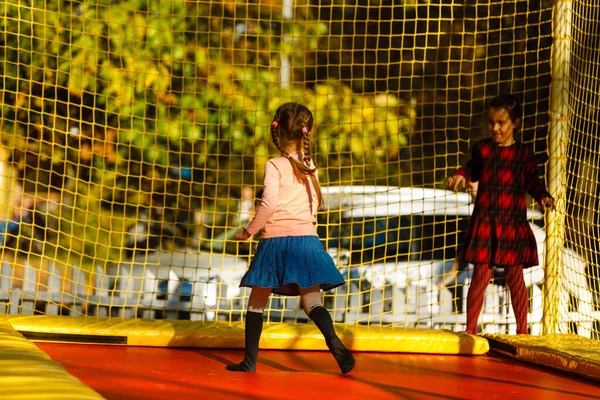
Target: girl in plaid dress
499, 234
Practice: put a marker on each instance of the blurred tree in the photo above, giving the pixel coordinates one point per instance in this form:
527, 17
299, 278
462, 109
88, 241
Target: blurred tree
128, 106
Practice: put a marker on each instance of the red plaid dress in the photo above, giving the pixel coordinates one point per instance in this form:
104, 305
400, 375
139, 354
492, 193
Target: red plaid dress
499, 233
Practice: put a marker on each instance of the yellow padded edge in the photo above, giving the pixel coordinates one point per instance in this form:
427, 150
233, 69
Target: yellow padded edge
175, 333
566, 352
26, 372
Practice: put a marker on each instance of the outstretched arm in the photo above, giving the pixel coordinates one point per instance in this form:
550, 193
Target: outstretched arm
468, 174
457, 181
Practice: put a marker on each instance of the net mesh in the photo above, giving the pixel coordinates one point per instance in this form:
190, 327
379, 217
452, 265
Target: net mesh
134, 136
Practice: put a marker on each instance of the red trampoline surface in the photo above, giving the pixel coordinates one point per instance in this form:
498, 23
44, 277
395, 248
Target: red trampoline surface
125, 372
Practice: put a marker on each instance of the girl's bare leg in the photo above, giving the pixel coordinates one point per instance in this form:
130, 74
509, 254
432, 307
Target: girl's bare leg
311, 298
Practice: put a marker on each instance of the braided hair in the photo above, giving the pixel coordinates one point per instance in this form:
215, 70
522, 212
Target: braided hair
293, 123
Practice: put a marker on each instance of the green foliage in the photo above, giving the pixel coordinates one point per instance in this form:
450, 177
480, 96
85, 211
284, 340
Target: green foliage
110, 101
358, 137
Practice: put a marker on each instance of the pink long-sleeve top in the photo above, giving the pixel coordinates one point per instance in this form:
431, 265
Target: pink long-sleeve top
288, 206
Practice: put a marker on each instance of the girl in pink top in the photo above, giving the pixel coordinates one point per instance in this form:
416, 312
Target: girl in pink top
290, 259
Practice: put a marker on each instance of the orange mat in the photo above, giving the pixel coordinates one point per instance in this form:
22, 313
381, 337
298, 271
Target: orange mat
128, 372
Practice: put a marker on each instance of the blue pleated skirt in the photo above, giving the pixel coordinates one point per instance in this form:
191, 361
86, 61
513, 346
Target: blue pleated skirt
289, 263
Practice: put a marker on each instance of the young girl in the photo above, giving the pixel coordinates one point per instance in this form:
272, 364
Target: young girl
290, 259
499, 233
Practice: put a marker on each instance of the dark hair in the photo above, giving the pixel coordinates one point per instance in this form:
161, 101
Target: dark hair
293, 123
509, 102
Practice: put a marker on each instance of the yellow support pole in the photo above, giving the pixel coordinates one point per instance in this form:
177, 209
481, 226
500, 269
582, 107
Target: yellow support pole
7, 180
557, 142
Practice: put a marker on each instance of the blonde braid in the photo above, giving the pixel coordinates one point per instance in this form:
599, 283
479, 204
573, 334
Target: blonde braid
307, 159
310, 170
277, 142
275, 136
306, 141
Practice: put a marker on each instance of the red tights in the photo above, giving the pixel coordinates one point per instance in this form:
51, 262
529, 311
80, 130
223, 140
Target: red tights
518, 294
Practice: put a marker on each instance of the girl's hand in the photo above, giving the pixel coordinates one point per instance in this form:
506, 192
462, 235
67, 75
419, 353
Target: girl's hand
455, 181
241, 234
548, 202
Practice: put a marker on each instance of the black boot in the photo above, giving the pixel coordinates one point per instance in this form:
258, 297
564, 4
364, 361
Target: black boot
254, 324
322, 319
